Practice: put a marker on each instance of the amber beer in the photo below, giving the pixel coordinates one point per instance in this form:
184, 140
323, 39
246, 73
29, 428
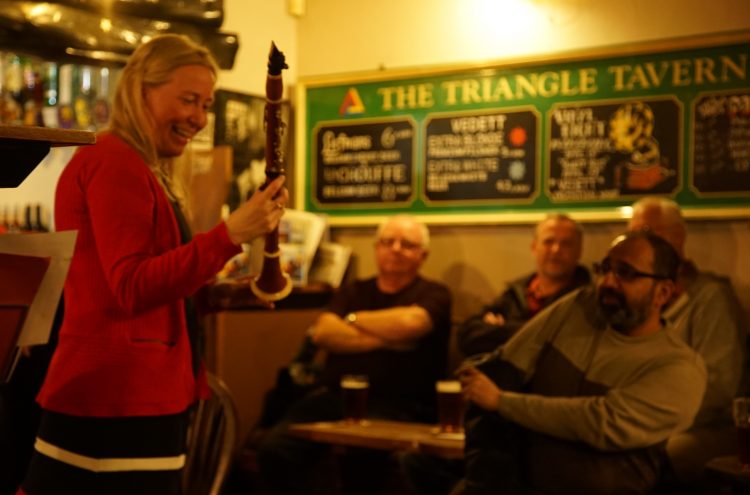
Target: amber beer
450, 405
354, 389
741, 413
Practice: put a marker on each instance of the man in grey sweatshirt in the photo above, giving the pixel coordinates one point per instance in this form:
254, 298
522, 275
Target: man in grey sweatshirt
583, 398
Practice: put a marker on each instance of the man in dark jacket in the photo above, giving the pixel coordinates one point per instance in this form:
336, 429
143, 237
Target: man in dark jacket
556, 247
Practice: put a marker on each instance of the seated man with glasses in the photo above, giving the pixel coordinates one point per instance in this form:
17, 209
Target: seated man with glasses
583, 398
393, 328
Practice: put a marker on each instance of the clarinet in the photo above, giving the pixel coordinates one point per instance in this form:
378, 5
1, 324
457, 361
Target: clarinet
272, 284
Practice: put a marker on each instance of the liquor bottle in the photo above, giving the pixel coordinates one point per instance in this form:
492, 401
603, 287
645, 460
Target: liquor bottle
2, 100
66, 118
13, 101
50, 111
83, 99
27, 222
4, 220
33, 100
101, 93
14, 226
40, 224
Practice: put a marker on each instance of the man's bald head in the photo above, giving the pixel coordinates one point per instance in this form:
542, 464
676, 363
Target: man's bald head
662, 217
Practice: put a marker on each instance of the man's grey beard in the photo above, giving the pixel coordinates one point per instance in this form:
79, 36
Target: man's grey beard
620, 316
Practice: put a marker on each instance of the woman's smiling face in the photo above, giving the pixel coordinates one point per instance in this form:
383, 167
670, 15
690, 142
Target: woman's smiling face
179, 107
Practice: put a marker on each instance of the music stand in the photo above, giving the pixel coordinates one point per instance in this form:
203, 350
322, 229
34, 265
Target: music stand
12, 317
33, 268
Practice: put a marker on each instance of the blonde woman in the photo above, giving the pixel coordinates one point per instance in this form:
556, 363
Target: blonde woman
123, 377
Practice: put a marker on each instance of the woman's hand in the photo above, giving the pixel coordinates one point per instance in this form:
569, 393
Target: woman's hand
260, 214
479, 389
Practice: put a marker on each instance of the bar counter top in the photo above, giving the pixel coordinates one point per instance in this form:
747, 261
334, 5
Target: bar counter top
23, 147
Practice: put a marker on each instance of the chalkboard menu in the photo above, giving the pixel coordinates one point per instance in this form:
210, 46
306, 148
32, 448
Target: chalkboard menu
581, 132
721, 144
614, 150
481, 156
364, 163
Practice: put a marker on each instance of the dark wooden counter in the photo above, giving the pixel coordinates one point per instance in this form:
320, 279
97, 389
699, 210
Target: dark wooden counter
247, 344
23, 147
236, 295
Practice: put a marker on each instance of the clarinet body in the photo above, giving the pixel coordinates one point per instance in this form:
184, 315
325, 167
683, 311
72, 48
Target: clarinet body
272, 284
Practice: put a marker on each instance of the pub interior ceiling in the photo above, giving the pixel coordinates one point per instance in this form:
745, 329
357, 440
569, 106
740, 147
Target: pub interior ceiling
105, 32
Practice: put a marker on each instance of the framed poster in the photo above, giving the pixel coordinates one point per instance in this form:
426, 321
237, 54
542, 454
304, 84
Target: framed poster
240, 125
584, 132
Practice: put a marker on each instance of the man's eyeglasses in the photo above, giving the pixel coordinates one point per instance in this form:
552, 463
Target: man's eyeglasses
623, 271
406, 245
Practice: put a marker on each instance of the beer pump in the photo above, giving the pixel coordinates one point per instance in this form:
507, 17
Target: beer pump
272, 284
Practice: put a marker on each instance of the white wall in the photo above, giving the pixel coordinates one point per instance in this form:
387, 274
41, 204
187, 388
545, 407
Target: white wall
343, 36
258, 22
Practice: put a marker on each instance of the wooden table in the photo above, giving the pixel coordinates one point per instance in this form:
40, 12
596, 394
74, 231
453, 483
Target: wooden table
727, 475
383, 435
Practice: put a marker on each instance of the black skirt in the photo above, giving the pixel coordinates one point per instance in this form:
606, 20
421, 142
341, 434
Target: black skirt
86, 455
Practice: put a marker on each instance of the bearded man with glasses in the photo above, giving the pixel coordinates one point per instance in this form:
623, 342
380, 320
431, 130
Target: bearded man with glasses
584, 397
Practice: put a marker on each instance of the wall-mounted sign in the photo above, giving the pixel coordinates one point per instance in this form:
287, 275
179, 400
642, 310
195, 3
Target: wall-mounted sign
585, 133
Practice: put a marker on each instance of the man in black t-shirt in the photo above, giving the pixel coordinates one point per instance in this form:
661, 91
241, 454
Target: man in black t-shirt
556, 247
394, 328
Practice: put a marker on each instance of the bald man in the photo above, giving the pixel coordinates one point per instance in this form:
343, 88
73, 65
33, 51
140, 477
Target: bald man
394, 328
706, 314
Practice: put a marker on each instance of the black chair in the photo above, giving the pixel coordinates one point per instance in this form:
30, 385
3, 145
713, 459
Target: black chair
212, 442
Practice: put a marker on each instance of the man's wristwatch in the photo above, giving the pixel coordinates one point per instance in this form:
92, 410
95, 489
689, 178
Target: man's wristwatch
351, 318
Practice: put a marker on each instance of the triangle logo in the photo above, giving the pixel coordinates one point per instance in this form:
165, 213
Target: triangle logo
352, 104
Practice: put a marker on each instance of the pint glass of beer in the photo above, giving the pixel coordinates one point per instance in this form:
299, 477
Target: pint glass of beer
354, 389
450, 406
741, 413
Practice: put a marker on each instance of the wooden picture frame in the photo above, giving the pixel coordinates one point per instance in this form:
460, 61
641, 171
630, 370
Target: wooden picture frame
240, 124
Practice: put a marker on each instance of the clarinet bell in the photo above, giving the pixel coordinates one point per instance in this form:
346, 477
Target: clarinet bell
272, 284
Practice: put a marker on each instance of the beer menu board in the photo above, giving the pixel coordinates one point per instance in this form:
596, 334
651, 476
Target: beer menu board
365, 163
721, 144
614, 150
579, 132
474, 157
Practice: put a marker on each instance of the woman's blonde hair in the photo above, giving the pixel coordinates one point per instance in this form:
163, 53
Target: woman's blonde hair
151, 65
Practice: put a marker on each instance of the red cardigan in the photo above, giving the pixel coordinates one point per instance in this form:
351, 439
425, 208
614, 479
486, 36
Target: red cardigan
123, 348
